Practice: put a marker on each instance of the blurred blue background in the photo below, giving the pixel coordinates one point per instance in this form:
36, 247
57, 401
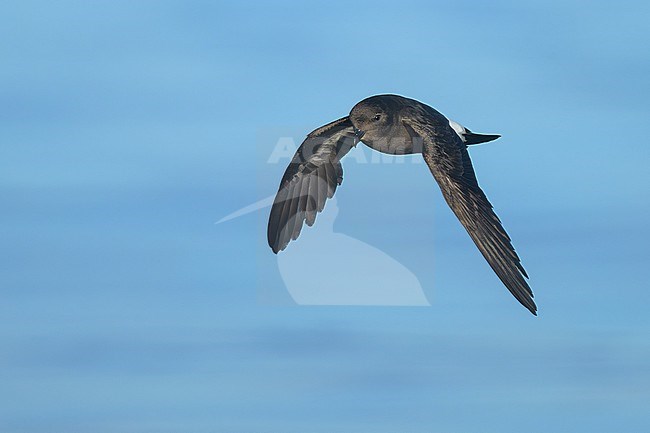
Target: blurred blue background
128, 128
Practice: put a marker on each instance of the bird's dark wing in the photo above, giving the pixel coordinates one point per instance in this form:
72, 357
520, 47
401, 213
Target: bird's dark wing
311, 178
449, 162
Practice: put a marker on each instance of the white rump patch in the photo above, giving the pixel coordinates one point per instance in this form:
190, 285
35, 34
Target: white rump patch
460, 129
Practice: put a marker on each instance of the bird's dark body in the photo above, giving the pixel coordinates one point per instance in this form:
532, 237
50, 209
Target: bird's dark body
398, 139
399, 144
397, 125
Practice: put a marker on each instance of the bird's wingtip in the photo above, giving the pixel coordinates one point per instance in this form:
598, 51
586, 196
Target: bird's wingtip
276, 248
532, 308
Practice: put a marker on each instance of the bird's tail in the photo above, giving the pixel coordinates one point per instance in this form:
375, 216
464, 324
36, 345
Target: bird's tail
473, 138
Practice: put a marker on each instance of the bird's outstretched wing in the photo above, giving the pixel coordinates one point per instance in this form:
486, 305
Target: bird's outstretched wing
311, 178
448, 160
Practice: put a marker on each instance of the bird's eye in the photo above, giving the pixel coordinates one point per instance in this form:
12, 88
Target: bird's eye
377, 117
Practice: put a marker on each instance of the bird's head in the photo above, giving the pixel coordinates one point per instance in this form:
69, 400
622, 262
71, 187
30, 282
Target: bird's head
372, 118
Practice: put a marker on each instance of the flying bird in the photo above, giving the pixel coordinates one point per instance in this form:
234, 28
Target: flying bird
397, 125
